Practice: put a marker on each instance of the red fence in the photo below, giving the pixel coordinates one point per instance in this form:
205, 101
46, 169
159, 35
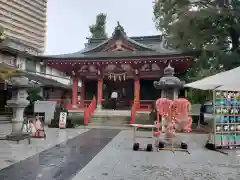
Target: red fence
89, 106
89, 111
145, 105
142, 105
133, 112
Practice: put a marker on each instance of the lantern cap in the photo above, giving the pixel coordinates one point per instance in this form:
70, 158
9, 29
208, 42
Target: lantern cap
168, 81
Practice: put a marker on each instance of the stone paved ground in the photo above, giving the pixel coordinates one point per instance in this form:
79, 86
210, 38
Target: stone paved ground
117, 161
11, 152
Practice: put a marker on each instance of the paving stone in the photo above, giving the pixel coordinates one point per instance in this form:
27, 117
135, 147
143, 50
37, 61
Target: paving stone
118, 161
11, 152
58, 160
62, 161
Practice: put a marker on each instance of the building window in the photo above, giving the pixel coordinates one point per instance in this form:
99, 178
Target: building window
9, 59
42, 69
30, 65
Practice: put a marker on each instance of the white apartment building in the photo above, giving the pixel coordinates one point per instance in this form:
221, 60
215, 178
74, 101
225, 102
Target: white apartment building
25, 20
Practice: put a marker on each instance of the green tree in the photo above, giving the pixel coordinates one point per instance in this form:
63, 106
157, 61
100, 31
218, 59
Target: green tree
209, 27
33, 95
98, 30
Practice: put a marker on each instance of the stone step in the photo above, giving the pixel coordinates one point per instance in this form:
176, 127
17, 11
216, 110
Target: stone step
142, 118
5, 119
110, 121
96, 126
5, 122
114, 118
112, 113
110, 118
109, 124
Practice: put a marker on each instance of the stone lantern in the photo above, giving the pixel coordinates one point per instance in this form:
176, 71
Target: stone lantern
169, 84
18, 102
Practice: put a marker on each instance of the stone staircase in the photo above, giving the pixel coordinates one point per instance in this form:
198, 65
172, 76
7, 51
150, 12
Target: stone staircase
117, 118
142, 118
110, 118
5, 119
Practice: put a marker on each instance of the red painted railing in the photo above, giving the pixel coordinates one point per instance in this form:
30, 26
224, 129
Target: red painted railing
145, 105
86, 103
142, 105
133, 112
89, 111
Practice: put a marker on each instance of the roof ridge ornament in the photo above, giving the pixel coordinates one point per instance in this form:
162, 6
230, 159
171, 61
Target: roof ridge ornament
118, 30
169, 70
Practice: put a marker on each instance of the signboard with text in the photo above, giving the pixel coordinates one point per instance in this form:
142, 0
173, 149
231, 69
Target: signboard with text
62, 120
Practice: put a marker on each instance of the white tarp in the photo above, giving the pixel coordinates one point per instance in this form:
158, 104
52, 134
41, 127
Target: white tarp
228, 80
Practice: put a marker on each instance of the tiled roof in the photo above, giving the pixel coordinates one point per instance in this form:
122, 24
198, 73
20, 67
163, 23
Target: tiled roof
47, 82
145, 46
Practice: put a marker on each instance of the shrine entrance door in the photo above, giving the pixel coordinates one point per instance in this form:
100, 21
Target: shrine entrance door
125, 92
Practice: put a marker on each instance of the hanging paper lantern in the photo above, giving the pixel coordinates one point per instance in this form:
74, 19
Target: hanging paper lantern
181, 108
163, 106
175, 112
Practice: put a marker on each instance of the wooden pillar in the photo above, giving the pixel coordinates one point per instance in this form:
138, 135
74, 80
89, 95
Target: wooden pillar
83, 91
75, 90
99, 93
137, 89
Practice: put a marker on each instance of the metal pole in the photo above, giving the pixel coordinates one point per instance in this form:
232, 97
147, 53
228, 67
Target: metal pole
214, 118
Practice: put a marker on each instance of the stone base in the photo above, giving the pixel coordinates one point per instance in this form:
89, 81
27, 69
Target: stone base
18, 137
16, 126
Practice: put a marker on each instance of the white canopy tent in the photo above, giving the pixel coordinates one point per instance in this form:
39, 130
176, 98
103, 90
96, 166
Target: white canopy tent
228, 80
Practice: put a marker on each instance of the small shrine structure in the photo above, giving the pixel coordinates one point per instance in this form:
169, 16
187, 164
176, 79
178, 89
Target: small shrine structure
119, 63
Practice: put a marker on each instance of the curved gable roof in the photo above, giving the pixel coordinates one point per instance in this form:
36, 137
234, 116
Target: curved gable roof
118, 34
142, 45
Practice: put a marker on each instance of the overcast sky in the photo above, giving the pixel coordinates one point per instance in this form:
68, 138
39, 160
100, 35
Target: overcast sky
68, 21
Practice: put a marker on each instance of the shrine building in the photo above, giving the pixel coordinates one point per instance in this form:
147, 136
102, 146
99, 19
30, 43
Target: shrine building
127, 65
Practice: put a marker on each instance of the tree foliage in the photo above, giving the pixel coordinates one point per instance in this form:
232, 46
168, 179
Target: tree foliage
209, 27
33, 95
98, 30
